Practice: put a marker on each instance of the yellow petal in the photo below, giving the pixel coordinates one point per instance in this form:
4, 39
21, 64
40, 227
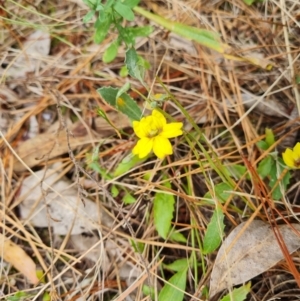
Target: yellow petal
296, 150
159, 119
143, 147
287, 157
139, 128
172, 130
162, 147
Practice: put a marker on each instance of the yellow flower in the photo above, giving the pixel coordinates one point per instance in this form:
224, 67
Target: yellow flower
154, 134
292, 157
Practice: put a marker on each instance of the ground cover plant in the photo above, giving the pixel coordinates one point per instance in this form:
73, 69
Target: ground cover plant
149, 150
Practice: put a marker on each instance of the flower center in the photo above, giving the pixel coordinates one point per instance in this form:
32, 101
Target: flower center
153, 133
297, 162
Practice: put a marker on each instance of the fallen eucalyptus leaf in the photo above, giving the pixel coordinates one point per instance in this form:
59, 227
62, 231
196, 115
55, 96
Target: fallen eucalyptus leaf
245, 255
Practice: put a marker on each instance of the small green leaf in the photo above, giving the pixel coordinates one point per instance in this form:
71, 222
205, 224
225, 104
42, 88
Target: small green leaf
88, 16
109, 94
47, 297
128, 106
270, 139
133, 65
123, 71
114, 191
174, 289
131, 3
128, 199
102, 28
163, 207
149, 291
124, 11
123, 89
264, 166
262, 145
177, 236
237, 171
238, 294
125, 104
126, 164
91, 3
111, 52
214, 232
143, 31
178, 265
108, 4
277, 194
220, 193
137, 246
249, 2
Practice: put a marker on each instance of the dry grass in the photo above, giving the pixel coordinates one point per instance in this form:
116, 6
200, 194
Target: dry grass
61, 92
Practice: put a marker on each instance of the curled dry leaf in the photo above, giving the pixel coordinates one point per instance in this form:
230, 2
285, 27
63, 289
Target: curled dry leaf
51, 200
244, 255
16, 256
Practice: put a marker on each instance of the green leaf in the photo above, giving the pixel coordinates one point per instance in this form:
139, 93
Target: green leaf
163, 207
123, 71
91, 3
124, 11
131, 3
114, 191
178, 265
277, 194
262, 145
270, 138
126, 164
111, 52
102, 28
238, 294
109, 3
214, 232
143, 31
128, 199
126, 36
128, 106
148, 291
88, 16
123, 89
137, 246
177, 236
202, 36
133, 65
109, 94
236, 170
125, 104
220, 193
249, 2
174, 289
264, 166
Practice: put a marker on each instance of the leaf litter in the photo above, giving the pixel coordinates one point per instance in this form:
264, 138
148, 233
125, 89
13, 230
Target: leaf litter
247, 253
218, 93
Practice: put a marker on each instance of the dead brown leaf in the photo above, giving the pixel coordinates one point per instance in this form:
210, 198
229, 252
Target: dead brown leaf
50, 145
16, 256
243, 256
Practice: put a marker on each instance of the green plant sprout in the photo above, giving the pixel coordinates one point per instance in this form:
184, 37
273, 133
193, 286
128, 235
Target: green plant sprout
272, 168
